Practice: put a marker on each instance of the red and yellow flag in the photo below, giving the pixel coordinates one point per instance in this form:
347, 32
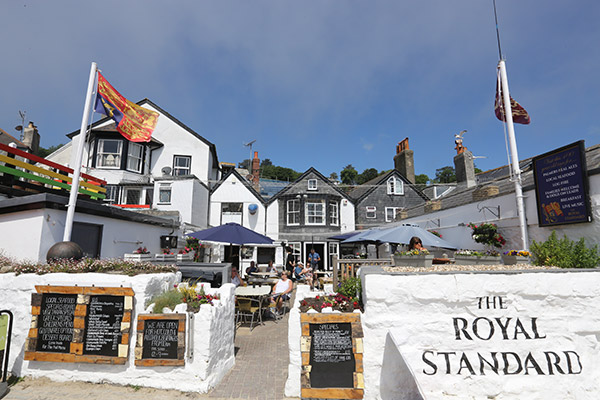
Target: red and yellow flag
520, 116
135, 123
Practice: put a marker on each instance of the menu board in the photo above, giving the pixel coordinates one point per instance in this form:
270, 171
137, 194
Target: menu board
55, 323
103, 325
160, 339
331, 355
561, 185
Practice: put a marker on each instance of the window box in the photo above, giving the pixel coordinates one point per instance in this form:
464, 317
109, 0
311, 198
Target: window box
164, 257
137, 257
477, 260
185, 257
512, 260
423, 261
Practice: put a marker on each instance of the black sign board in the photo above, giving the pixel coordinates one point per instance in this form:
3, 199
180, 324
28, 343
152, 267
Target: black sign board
160, 338
55, 323
103, 325
561, 185
331, 355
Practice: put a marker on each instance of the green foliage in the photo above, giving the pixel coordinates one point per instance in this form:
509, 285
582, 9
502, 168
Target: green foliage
167, 299
564, 253
445, 175
279, 173
421, 179
91, 265
367, 175
487, 234
45, 152
265, 163
334, 176
349, 175
351, 288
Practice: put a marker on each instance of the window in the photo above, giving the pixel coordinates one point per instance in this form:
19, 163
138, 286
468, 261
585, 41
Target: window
112, 194
231, 212
134, 157
395, 186
109, 153
334, 215
164, 194
315, 213
391, 213
371, 212
296, 250
181, 165
133, 196
312, 184
293, 212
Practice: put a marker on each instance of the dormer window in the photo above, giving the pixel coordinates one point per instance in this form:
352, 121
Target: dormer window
312, 184
181, 165
109, 153
134, 157
395, 186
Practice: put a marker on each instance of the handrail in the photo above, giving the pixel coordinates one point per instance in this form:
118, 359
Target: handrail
347, 268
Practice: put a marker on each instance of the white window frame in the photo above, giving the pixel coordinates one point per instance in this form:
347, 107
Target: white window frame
315, 214
312, 184
133, 158
131, 189
371, 212
112, 194
178, 169
293, 212
394, 211
296, 249
116, 156
334, 214
395, 186
165, 189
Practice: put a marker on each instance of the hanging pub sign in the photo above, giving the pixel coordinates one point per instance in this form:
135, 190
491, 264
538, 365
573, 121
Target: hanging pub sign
80, 324
561, 186
160, 340
332, 366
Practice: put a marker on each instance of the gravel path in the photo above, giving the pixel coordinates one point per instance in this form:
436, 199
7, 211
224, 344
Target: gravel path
474, 268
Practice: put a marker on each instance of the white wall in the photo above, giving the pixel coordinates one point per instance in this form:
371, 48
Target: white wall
212, 326
347, 217
421, 310
188, 196
273, 220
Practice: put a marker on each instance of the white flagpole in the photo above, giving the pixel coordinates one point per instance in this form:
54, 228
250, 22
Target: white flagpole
79, 155
514, 155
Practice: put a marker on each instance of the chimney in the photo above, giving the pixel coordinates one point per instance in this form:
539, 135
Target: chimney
31, 137
255, 170
404, 161
464, 168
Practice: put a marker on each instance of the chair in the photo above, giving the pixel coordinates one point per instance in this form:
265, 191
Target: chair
248, 307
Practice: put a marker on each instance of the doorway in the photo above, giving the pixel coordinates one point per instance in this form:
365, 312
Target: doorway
319, 248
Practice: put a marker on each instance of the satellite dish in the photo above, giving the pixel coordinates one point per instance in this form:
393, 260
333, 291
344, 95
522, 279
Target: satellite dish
166, 170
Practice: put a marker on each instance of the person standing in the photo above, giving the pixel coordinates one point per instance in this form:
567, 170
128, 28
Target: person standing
290, 262
313, 259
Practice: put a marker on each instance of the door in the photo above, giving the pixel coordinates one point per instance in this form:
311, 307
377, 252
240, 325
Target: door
88, 237
319, 248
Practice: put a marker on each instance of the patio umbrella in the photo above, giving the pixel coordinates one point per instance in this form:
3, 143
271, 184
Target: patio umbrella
344, 236
402, 234
231, 233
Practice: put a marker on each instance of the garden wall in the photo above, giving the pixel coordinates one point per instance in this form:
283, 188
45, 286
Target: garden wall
508, 335
212, 333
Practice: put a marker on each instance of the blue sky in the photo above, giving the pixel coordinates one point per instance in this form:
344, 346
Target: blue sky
316, 83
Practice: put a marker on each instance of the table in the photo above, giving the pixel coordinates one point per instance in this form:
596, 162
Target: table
249, 291
323, 277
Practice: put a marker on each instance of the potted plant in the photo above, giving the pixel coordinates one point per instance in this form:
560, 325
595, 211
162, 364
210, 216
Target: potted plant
184, 254
413, 258
512, 257
166, 255
472, 257
140, 254
487, 234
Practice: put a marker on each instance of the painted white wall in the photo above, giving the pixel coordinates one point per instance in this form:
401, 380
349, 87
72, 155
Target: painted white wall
420, 310
188, 196
273, 220
508, 223
28, 235
213, 334
347, 218
232, 190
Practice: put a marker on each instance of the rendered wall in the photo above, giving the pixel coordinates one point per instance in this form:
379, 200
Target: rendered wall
212, 327
541, 328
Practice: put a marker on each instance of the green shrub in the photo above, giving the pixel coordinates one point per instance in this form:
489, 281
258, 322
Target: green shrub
564, 253
167, 299
351, 288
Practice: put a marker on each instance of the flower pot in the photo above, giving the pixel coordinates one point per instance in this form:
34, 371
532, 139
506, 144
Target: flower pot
477, 260
137, 257
424, 260
512, 260
164, 257
185, 257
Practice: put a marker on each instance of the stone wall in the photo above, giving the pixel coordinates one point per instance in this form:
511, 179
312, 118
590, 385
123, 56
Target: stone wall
212, 333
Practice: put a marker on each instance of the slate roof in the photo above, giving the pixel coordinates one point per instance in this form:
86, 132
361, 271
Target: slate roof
359, 192
6, 138
304, 175
244, 182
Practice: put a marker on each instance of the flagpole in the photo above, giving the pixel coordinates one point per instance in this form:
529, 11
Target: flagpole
514, 155
79, 154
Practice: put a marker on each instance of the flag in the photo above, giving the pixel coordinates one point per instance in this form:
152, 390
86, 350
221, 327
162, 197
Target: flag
135, 123
519, 114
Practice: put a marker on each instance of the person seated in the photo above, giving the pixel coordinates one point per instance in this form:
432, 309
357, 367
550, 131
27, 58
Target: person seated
281, 290
235, 277
303, 274
271, 268
252, 268
416, 244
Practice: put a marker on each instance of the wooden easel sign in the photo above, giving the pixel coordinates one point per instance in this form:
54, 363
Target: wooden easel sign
160, 340
332, 362
80, 324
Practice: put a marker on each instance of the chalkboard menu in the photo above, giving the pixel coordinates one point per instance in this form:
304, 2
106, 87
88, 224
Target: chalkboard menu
161, 340
103, 325
331, 347
55, 324
561, 186
80, 324
331, 355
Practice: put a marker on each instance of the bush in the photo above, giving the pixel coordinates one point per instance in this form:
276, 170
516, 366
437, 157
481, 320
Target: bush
167, 299
564, 253
351, 288
91, 265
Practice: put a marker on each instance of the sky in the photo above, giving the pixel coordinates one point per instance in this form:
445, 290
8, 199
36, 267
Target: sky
318, 84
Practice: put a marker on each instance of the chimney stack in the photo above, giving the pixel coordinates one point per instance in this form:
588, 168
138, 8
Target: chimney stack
464, 168
31, 137
255, 170
404, 161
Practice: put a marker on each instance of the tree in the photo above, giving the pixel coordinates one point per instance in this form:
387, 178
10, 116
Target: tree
265, 162
421, 179
445, 175
349, 175
45, 152
279, 173
333, 176
367, 175
244, 164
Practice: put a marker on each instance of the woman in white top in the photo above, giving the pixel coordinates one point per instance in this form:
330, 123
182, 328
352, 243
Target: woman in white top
281, 289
